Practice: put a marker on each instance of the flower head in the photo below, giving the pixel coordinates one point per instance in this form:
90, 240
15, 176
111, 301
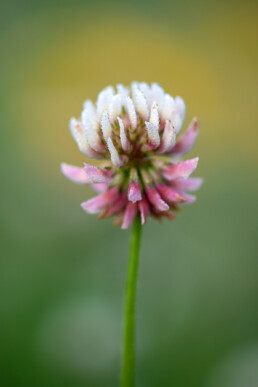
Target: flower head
134, 131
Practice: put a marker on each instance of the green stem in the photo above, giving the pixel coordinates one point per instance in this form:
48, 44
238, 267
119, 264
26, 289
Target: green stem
129, 351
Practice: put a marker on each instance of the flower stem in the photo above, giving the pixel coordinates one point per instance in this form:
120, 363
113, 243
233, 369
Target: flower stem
129, 351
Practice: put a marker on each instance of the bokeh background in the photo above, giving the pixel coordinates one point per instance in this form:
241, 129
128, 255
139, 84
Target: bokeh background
63, 272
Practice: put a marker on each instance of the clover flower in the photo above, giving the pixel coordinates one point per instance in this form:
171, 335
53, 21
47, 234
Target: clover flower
134, 131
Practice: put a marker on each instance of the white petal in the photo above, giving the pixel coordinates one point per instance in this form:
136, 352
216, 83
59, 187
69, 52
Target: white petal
90, 107
105, 125
104, 99
89, 127
157, 93
74, 127
180, 106
90, 112
124, 141
122, 90
131, 112
80, 138
154, 115
115, 158
168, 107
168, 138
153, 134
115, 107
141, 104
176, 121
134, 87
145, 89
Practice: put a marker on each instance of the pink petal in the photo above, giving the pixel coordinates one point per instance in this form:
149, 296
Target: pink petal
134, 192
117, 206
187, 140
169, 215
190, 184
188, 198
156, 200
144, 210
180, 170
170, 194
98, 203
75, 174
130, 215
97, 175
100, 187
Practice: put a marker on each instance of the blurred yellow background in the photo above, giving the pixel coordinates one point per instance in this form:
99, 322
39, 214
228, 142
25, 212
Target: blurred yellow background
63, 272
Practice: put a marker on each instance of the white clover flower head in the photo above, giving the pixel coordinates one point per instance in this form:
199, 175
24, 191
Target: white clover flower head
134, 131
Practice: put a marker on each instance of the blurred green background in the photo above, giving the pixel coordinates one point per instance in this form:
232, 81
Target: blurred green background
63, 272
